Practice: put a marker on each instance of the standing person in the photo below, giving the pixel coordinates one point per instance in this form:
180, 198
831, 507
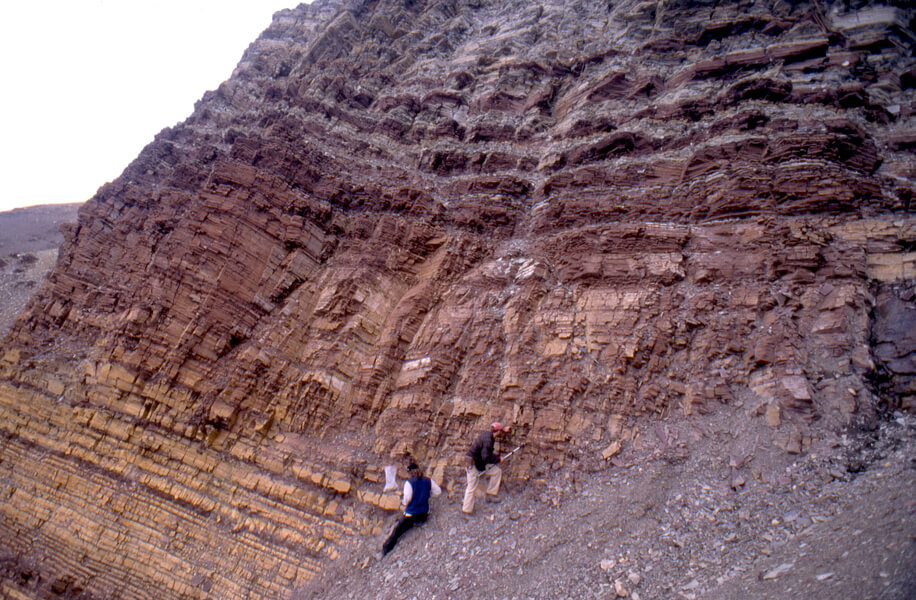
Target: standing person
415, 503
483, 460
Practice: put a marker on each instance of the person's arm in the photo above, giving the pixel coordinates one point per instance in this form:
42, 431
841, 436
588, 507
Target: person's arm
436, 490
407, 495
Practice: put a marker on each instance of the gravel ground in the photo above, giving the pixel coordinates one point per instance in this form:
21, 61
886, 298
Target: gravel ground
671, 524
29, 239
20, 276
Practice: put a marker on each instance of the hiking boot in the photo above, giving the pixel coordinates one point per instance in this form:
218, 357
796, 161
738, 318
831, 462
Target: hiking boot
493, 499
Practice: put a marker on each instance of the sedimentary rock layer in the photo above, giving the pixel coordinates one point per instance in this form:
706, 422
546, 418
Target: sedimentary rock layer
398, 221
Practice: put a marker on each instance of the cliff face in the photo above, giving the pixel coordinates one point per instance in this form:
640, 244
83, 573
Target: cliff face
398, 221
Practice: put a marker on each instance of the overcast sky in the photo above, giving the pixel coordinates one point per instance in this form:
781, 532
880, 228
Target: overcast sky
86, 84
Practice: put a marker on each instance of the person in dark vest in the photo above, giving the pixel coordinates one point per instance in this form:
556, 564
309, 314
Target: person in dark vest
483, 460
415, 502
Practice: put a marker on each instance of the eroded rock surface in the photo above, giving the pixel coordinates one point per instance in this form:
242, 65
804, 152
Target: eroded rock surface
398, 221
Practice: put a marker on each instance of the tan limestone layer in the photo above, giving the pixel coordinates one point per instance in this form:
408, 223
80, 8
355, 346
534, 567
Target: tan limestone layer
112, 493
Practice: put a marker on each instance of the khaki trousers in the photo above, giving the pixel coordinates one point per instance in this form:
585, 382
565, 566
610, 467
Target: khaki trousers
493, 472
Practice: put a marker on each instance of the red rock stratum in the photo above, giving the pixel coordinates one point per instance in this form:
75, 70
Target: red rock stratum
399, 220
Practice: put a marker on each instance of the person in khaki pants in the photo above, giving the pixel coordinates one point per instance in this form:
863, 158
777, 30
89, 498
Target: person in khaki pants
483, 460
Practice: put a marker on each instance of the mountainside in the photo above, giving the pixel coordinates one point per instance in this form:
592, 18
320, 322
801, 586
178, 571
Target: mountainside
400, 220
29, 239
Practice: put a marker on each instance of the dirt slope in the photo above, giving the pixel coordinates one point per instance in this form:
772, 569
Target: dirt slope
835, 524
29, 238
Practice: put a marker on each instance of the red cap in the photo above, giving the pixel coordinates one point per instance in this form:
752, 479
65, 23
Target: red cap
497, 426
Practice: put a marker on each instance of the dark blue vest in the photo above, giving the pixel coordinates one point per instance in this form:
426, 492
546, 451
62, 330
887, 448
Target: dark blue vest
419, 500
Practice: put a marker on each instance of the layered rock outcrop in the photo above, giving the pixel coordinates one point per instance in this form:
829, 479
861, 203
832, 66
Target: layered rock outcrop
400, 220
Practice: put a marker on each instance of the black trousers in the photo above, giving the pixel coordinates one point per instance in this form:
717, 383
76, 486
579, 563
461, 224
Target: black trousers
404, 523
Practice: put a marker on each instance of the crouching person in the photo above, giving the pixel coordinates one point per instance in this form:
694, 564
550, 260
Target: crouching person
415, 503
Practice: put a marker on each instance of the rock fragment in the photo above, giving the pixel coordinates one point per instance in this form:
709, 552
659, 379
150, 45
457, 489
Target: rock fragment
778, 571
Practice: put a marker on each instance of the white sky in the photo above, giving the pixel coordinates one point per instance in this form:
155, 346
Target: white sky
86, 84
